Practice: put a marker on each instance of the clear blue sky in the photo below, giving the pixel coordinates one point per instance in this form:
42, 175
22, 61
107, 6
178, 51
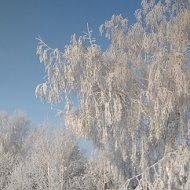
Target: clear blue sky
55, 21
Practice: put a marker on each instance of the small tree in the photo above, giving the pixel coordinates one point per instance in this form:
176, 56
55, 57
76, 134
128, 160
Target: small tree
14, 131
133, 97
53, 161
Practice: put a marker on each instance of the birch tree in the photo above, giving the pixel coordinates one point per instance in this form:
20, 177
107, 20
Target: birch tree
134, 96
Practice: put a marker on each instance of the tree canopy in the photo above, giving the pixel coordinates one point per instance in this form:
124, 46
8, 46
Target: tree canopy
133, 97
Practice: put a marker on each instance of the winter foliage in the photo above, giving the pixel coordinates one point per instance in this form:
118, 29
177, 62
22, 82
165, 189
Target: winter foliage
134, 96
41, 158
133, 104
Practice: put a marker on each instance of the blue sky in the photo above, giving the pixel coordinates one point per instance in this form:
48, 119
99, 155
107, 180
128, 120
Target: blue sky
21, 21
